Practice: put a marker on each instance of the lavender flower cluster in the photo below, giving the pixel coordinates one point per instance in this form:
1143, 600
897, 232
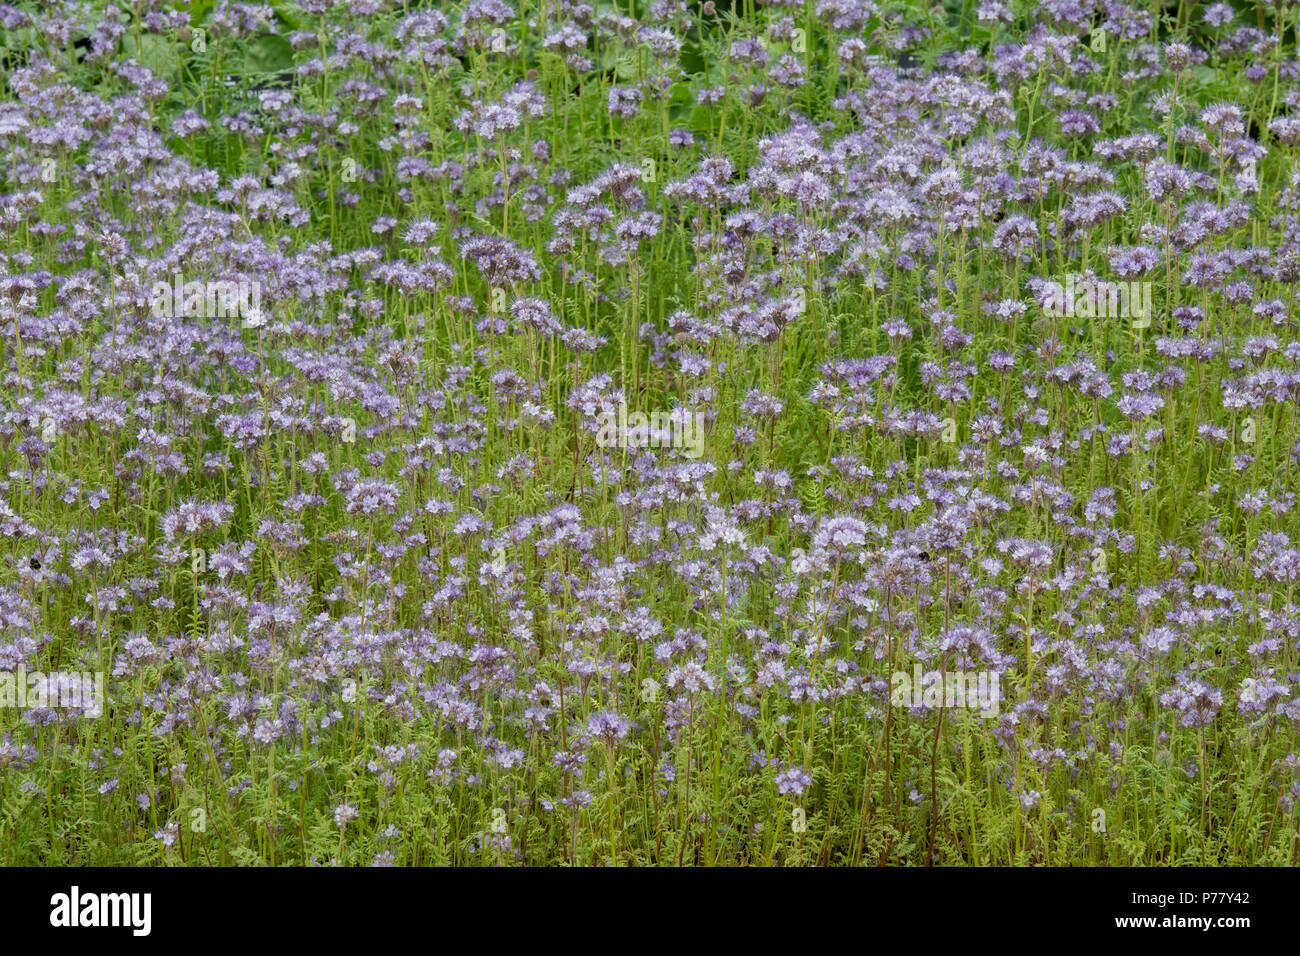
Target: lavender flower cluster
369, 582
